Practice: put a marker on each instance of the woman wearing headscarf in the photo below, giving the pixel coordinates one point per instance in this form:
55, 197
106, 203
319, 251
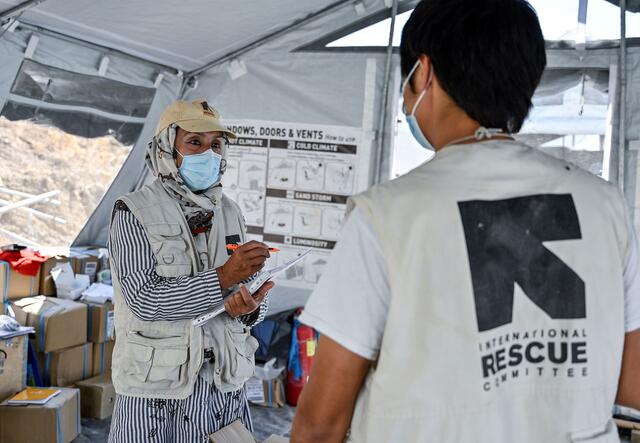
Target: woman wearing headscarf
177, 382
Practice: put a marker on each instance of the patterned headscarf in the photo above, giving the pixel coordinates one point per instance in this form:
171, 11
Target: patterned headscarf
198, 206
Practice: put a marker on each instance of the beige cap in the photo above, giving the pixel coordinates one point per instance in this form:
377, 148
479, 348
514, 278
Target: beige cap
195, 116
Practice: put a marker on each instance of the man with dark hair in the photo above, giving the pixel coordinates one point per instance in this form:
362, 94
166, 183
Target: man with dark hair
490, 295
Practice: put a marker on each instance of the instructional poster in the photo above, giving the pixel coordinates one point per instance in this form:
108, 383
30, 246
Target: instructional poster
292, 182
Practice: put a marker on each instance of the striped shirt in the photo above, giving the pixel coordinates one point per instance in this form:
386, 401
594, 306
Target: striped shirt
192, 420
152, 298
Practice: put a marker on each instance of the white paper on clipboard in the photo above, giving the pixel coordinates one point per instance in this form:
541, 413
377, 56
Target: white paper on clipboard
256, 284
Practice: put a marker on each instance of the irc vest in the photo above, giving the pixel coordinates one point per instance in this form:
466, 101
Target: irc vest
161, 359
506, 320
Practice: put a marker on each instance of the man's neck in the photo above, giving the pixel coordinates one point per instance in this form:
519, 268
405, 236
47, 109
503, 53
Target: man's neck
453, 126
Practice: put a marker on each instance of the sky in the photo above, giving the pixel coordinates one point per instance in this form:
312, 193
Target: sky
558, 19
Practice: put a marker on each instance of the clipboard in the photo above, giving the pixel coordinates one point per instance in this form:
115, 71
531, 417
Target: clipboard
256, 284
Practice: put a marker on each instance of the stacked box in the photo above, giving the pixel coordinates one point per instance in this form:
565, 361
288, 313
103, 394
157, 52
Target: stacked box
86, 261
47, 285
14, 285
269, 393
97, 396
86, 264
13, 366
57, 421
66, 366
101, 333
64, 356
59, 323
102, 356
100, 326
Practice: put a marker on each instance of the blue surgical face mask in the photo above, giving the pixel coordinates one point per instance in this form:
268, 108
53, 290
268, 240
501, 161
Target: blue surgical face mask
411, 118
200, 171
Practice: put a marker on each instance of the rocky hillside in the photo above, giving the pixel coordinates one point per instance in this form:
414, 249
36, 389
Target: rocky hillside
36, 159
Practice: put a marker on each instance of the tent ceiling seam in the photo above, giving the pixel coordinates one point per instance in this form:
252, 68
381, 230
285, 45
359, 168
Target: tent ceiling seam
265, 39
40, 104
19, 9
59, 35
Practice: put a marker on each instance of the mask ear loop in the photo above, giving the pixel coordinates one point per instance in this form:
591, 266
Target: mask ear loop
424, 91
406, 80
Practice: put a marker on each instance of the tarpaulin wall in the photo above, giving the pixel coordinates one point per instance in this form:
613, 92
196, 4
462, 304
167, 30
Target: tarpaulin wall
331, 93
276, 83
607, 58
285, 86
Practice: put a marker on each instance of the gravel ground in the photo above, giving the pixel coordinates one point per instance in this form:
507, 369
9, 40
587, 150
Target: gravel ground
36, 159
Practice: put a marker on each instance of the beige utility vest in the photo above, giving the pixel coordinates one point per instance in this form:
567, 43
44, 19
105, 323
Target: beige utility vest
162, 359
506, 317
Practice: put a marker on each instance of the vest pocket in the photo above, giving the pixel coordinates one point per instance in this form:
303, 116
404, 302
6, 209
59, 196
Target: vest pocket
139, 359
164, 229
170, 249
157, 362
168, 364
241, 348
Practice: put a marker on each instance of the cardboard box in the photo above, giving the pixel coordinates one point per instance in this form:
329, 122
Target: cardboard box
57, 421
67, 366
100, 322
268, 393
59, 323
87, 265
97, 396
234, 433
101, 253
13, 366
14, 285
47, 286
102, 355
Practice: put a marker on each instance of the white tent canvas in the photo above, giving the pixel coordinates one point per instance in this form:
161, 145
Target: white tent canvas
267, 68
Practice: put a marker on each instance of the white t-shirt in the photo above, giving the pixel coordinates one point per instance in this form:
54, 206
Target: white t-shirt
351, 301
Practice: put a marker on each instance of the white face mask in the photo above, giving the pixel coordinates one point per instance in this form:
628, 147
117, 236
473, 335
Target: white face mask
411, 118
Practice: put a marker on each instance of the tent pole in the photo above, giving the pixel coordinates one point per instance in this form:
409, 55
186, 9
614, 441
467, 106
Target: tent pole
582, 11
622, 81
382, 119
236, 53
19, 9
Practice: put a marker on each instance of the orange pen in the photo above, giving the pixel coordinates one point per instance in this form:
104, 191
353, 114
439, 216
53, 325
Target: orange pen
234, 246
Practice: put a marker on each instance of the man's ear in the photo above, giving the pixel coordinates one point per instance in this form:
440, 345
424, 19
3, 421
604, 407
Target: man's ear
420, 78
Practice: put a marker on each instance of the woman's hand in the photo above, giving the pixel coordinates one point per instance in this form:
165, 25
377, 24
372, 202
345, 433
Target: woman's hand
245, 261
243, 303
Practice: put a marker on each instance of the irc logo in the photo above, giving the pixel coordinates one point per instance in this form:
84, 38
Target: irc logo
504, 243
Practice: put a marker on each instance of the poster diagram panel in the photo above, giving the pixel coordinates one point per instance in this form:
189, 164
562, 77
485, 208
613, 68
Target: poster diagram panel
282, 173
244, 179
292, 182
